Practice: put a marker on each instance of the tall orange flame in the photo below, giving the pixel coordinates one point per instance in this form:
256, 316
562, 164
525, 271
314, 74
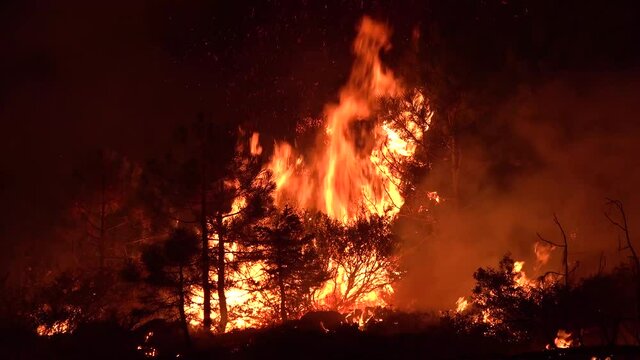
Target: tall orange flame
348, 176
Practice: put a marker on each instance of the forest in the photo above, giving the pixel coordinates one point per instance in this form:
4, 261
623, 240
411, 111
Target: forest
440, 179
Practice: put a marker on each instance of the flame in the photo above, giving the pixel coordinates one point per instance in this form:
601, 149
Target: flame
354, 287
254, 144
543, 253
461, 304
521, 281
246, 308
350, 174
433, 196
563, 340
520, 276
59, 327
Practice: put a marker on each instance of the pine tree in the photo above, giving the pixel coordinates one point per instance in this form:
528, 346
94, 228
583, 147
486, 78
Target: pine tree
292, 263
171, 265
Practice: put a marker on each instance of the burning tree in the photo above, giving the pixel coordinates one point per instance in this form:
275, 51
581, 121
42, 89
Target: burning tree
507, 305
357, 174
406, 120
219, 184
363, 262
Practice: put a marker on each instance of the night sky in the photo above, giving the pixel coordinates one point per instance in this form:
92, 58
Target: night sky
76, 77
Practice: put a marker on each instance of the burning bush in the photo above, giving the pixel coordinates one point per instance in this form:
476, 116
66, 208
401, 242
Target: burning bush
506, 305
362, 259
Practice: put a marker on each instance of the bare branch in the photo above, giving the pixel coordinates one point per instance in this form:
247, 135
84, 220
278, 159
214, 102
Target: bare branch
548, 241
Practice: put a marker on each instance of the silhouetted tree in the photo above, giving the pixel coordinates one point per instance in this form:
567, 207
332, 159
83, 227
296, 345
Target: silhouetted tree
171, 265
512, 311
80, 296
620, 221
213, 181
105, 202
602, 308
191, 185
250, 185
291, 260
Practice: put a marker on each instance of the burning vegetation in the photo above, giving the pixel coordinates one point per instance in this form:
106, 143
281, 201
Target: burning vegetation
228, 246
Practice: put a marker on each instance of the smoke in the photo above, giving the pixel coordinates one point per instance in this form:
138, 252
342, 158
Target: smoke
560, 147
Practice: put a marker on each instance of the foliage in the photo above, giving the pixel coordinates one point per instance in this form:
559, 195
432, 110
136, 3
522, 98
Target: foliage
504, 308
291, 263
80, 297
171, 265
362, 255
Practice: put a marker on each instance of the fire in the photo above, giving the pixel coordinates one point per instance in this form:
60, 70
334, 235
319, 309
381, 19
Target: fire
254, 144
146, 349
563, 340
433, 196
517, 266
496, 306
350, 174
520, 276
59, 327
487, 317
246, 308
366, 286
461, 304
543, 253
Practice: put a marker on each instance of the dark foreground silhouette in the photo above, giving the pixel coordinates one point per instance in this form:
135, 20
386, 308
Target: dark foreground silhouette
396, 339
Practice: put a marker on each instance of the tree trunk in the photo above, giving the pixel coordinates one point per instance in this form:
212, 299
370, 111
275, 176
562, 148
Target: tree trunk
206, 287
283, 304
455, 156
222, 298
181, 303
101, 240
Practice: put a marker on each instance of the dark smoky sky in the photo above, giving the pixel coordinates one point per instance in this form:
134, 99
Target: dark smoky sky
77, 76
581, 147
